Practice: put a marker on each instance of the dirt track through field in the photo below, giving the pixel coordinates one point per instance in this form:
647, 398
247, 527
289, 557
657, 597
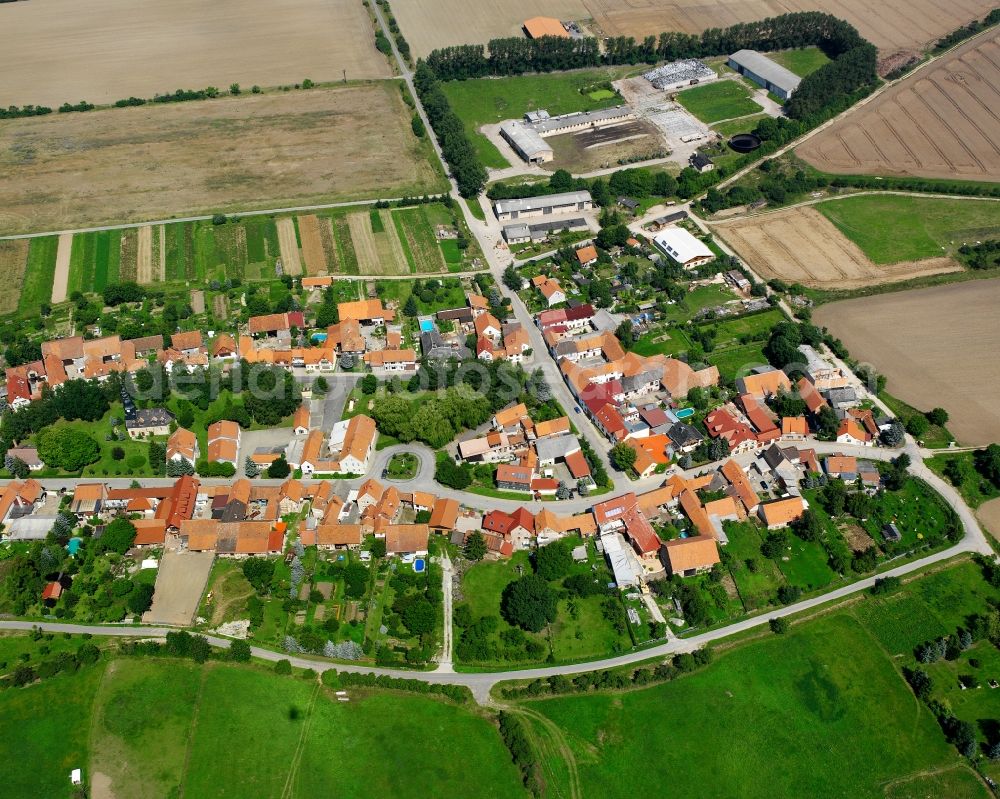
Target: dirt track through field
312, 245
13, 261
290, 262
937, 347
890, 25
800, 245
363, 238
155, 162
61, 278
104, 50
944, 122
144, 260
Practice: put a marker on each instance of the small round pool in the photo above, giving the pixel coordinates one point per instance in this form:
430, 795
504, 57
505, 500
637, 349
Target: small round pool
418, 565
684, 413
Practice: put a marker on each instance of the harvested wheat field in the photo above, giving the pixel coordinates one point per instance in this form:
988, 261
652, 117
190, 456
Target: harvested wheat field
13, 261
58, 51
236, 153
800, 245
943, 122
363, 238
440, 23
290, 262
144, 258
937, 346
312, 245
62, 267
890, 25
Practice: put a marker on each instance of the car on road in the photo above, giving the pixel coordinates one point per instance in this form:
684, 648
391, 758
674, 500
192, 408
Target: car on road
576, 409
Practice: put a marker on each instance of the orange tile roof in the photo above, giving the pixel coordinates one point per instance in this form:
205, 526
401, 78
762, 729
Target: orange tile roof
766, 383
782, 511
223, 344
850, 427
406, 537
839, 464
696, 513
551, 427
362, 310
301, 417
339, 535
734, 473
223, 429
586, 254
186, 341
149, 532
794, 426
508, 416
181, 442
696, 552
222, 449
537, 27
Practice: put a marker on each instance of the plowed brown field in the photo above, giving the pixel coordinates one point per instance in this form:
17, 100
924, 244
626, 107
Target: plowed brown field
800, 245
935, 345
59, 51
943, 122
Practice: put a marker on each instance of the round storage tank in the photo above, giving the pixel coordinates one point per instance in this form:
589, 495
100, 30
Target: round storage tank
744, 142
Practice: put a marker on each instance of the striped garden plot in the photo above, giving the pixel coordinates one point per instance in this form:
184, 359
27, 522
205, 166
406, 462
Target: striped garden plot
418, 235
393, 246
347, 256
129, 249
363, 238
291, 264
160, 251
144, 255
13, 261
330, 250
61, 280
313, 252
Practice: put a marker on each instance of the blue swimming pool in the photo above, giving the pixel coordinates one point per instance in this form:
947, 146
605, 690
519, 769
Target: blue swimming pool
684, 413
74, 545
319, 337
426, 325
418, 565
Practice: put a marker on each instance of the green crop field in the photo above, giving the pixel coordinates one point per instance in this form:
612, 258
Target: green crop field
418, 239
39, 274
890, 228
156, 727
486, 100
821, 711
802, 61
723, 99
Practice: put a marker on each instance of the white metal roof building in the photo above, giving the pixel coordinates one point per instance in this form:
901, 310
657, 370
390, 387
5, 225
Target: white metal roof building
762, 70
526, 142
678, 74
684, 248
567, 202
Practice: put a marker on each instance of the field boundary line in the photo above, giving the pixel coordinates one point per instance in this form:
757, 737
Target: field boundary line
190, 741
287, 790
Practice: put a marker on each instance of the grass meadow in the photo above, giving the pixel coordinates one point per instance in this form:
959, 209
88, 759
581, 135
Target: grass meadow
713, 102
821, 711
890, 228
802, 60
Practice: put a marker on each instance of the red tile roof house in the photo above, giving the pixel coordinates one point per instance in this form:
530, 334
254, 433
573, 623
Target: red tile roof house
722, 423
511, 477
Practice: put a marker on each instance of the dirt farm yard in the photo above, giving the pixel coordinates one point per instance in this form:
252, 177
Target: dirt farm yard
943, 122
58, 51
937, 346
800, 245
235, 153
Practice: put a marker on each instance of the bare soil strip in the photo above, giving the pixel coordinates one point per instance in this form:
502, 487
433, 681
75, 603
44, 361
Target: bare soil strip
944, 122
144, 259
364, 243
312, 245
290, 263
61, 278
13, 262
935, 345
800, 245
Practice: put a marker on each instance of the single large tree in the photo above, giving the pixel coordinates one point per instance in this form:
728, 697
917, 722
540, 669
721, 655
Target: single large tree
529, 603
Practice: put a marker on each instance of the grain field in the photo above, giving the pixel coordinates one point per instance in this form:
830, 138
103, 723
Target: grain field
66, 171
312, 245
396, 253
800, 245
13, 261
290, 262
103, 50
363, 238
942, 122
935, 346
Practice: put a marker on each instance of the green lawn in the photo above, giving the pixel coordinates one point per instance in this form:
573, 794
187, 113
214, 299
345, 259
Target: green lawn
802, 61
485, 100
744, 125
936, 437
891, 228
723, 99
162, 728
39, 275
825, 696
734, 360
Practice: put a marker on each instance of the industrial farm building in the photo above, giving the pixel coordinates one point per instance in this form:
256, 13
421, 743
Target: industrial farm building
526, 142
537, 27
685, 249
765, 72
527, 207
521, 232
679, 74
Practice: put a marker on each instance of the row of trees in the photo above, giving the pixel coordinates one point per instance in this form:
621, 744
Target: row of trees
458, 151
515, 55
